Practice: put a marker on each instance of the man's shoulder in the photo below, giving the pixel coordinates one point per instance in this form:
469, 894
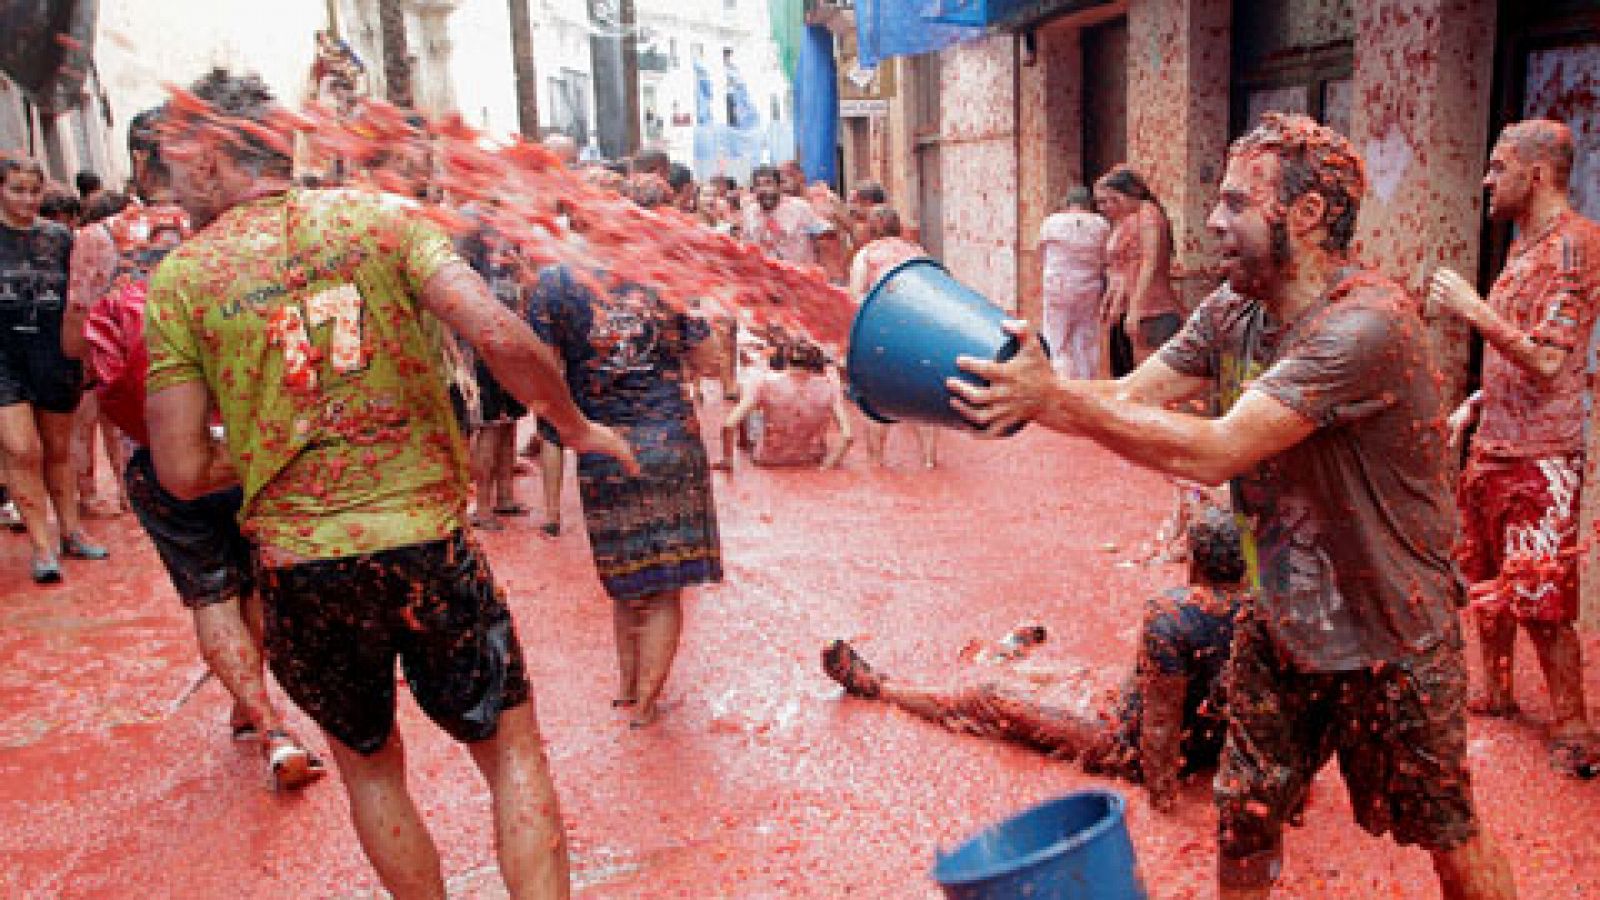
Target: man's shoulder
1224, 303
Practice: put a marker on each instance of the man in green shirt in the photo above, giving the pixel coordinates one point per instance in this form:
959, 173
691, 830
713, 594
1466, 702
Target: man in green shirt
310, 323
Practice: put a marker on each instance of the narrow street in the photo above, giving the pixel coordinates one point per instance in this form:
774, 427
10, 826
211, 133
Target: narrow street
761, 781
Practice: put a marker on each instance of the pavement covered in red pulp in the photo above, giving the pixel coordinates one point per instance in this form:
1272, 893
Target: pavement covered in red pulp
761, 780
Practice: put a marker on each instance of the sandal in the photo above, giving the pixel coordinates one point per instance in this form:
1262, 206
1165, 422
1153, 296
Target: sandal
512, 509
292, 766
76, 546
843, 664
45, 569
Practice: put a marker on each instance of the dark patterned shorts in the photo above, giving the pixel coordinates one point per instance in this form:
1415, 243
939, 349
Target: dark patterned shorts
1399, 732
34, 371
335, 627
199, 542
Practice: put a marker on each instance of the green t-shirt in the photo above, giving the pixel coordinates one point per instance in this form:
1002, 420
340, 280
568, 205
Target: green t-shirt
300, 312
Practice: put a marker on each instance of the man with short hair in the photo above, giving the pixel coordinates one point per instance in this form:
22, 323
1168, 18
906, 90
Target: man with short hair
1521, 490
783, 225
198, 540
1331, 431
308, 322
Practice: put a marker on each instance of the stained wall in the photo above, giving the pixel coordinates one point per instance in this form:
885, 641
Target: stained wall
1049, 147
1423, 77
1178, 78
978, 165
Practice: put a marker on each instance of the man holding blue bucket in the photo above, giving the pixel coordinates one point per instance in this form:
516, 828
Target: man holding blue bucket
1331, 432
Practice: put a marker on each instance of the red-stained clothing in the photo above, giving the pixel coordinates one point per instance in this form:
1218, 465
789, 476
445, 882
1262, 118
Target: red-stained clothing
1525, 416
787, 232
878, 257
1519, 536
117, 258
1124, 255
117, 359
797, 409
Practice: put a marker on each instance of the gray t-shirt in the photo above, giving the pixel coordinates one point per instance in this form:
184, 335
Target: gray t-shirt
1350, 530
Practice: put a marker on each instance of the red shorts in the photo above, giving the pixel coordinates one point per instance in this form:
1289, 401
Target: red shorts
1519, 536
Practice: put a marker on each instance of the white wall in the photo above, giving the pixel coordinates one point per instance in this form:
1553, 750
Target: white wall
143, 45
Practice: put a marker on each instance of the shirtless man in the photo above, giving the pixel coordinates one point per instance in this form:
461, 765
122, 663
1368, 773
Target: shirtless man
308, 321
1521, 490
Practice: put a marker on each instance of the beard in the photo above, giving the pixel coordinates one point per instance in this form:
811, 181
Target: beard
768, 202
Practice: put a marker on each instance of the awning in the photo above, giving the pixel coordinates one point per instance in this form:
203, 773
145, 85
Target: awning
887, 28
909, 27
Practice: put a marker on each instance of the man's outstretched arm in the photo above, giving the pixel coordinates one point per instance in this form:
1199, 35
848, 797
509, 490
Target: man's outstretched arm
1200, 449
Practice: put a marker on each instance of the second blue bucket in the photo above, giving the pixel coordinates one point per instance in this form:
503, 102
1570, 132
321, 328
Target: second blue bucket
903, 345
1075, 847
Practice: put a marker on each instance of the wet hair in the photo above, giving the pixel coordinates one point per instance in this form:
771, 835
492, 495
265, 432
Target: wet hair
87, 182
760, 172
144, 149
1312, 157
1078, 195
246, 100
1543, 141
10, 164
806, 356
647, 190
1128, 183
885, 220
679, 176
61, 205
1216, 547
870, 192
105, 205
652, 161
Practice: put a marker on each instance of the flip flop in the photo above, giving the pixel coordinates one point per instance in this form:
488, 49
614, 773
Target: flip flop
292, 766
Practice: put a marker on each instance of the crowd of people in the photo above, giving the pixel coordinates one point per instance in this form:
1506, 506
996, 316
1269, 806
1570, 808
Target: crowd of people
311, 393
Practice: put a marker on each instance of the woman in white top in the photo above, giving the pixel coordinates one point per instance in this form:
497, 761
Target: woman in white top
1073, 244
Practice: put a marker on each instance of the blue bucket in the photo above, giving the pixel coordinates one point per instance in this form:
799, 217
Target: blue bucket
903, 345
1076, 846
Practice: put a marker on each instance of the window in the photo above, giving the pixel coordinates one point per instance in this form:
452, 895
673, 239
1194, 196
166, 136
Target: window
1293, 57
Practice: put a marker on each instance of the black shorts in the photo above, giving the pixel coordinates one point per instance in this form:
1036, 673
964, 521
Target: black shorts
1399, 732
495, 403
33, 370
335, 627
199, 542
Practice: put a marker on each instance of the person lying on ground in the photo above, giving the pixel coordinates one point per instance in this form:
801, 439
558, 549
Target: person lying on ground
1169, 722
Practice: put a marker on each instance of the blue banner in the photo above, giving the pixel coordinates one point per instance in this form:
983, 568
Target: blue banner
886, 28
816, 106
